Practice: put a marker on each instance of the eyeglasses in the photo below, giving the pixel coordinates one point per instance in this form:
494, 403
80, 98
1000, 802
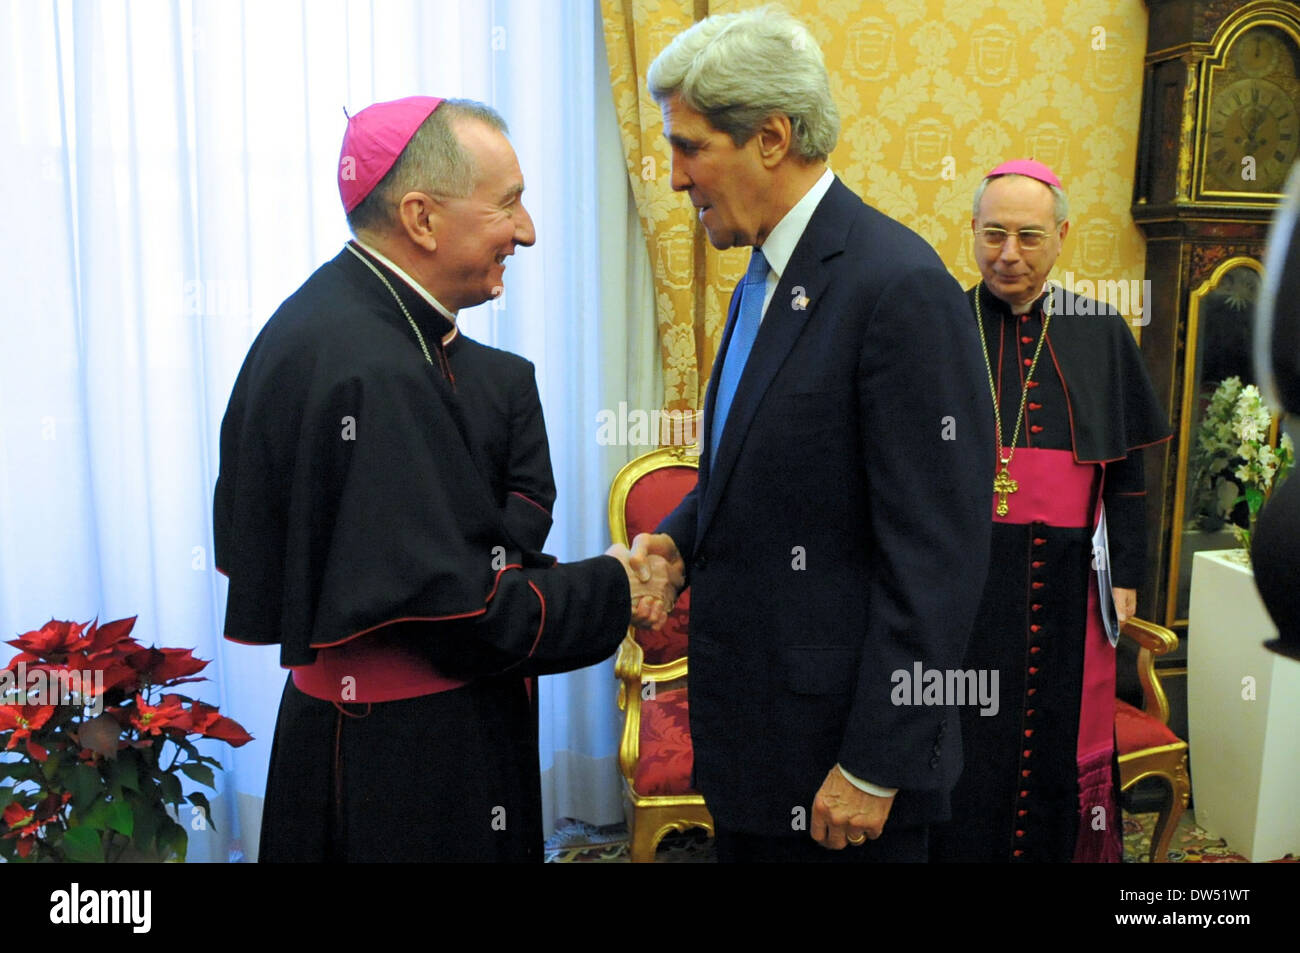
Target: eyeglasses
1027, 238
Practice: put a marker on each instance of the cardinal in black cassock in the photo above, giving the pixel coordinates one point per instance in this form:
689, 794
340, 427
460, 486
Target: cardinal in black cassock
377, 522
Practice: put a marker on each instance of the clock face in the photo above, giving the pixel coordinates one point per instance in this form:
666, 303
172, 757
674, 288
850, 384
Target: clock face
1253, 130
1259, 52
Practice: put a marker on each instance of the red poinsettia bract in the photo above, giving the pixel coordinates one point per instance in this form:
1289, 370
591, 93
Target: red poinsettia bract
51, 642
26, 823
152, 719
210, 723
22, 720
166, 667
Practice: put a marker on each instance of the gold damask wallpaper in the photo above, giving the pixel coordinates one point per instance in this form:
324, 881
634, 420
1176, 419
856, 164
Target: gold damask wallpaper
932, 94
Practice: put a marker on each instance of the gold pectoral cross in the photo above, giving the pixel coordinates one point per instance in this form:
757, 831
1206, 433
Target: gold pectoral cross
1002, 485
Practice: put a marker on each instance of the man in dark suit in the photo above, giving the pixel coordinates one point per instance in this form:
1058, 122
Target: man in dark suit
837, 538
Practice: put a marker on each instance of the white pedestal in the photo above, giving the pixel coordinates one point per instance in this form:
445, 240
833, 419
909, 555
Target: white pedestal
1244, 753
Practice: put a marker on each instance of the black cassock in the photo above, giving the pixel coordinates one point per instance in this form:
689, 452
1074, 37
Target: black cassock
359, 509
1023, 790
498, 394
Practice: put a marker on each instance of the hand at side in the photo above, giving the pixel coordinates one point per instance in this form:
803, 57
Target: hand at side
842, 813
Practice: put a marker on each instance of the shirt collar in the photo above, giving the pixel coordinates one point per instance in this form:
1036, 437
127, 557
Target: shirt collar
781, 241
437, 305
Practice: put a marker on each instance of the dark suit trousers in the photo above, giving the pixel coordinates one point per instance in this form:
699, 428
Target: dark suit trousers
903, 845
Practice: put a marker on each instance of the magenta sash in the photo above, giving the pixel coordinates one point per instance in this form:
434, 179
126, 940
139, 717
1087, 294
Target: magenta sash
372, 668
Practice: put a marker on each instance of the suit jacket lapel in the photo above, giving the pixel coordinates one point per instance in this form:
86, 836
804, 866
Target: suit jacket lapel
782, 324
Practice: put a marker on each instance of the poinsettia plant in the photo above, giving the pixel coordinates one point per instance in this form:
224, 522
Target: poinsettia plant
95, 745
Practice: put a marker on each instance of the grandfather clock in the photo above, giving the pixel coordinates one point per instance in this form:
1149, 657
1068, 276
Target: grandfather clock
1220, 130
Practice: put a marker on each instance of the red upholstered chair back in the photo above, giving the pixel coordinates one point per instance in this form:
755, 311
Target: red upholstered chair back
644, 492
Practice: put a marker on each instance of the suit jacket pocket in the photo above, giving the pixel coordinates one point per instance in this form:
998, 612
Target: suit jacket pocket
820, 669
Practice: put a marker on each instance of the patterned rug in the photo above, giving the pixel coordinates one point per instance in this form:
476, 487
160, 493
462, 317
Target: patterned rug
1189, 845
577, 843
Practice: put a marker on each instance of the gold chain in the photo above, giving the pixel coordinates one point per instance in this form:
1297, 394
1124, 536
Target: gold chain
414, 327
1002, 482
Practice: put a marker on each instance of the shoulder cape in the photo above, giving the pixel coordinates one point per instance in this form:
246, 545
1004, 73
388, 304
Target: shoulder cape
348, 497
1113, 408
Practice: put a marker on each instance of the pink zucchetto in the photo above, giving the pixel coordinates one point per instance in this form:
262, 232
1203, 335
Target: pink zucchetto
1029, 167
375, 137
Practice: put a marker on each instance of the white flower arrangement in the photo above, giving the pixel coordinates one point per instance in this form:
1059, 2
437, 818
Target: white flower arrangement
1233, 462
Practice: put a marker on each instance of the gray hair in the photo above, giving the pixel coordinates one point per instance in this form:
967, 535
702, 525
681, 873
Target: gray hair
1060, 204
433, 161
737, 69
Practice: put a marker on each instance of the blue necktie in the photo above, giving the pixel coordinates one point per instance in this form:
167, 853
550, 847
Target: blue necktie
753, 287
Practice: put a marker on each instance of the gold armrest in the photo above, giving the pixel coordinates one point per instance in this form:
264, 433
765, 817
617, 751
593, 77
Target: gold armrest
1152, 640
627, 669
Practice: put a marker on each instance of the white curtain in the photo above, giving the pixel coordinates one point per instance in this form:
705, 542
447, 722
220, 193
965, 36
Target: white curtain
168, 181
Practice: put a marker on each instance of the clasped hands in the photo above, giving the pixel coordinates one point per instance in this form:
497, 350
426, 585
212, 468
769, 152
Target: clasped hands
656, 575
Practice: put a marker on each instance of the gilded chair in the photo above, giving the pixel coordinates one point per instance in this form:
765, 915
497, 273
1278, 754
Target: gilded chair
655, 756
1147, 747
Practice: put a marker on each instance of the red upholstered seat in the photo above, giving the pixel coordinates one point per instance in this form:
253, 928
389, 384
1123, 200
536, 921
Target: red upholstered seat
664, 766
651, 497
1135, 729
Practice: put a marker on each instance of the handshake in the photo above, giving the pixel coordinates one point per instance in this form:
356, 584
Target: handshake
656, 575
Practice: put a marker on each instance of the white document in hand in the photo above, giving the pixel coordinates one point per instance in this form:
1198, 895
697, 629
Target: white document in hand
1101, 565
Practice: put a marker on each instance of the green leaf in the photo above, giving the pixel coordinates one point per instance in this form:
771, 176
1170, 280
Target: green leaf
199, 799
171, 788
96, 816
146, 825
82, 844
125, 771
173, 839
200, 773
50, 767
85, 784
1254, 499
121, 818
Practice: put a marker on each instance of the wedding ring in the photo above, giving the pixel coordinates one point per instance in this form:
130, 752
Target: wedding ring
857, 842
